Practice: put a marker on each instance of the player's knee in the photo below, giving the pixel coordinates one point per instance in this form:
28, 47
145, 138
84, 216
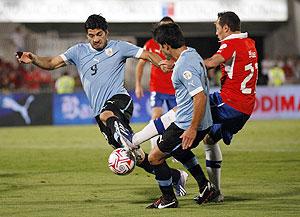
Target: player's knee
105, 115
208, 140
154, 160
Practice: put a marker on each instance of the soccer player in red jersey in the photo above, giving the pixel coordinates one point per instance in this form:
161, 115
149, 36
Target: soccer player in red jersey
232, 107
161, 86
237, 57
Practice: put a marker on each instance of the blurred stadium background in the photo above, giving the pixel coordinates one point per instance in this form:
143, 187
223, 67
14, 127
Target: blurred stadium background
50, 27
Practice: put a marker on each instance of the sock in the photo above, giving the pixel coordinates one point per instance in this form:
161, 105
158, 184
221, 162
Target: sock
153, 141
145, 134
213, 164
168, 118
164, 180
175, 175
145, 164
190, 162
195, 169
150, 169
154, 127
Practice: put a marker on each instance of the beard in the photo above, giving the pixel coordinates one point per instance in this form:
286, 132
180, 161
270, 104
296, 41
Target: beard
100, 48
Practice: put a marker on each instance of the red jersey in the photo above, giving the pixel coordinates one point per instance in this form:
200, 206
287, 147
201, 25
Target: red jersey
239, 72
159, 81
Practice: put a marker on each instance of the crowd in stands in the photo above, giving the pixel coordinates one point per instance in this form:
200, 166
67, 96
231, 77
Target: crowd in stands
282, 70
27, 78
20, 77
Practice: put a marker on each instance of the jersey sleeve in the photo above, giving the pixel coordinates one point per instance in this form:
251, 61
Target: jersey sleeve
226, 50
191, 80
130, 50
71, 55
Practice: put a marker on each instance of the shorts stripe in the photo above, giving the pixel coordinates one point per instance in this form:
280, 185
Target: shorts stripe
177, 146
127, 106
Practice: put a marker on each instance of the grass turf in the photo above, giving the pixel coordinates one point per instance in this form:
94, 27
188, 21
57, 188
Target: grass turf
62, 171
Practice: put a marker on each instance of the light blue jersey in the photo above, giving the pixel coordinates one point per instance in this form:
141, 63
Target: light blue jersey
189, 78
101, 72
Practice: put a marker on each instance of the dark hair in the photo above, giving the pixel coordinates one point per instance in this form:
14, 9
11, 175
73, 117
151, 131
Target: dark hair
167, 19
96, 22
170, 34
230, 19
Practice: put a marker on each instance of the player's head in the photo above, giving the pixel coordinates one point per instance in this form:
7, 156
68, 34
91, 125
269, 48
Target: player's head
97, 30
227, 23
163, 21
169, 36
166, 20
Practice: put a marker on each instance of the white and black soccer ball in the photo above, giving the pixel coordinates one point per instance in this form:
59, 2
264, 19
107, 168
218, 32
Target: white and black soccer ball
121, 161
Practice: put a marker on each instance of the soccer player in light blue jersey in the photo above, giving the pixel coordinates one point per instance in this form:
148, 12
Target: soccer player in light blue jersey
101, 68
232, 106
193, 118
160, 84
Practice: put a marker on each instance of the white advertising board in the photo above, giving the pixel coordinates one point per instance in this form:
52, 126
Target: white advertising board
277, 103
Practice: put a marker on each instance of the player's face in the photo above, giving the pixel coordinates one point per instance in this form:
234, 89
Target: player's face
220, 31
166, 51
97, 38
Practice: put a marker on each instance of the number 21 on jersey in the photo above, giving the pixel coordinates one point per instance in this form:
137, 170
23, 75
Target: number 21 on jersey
250, 67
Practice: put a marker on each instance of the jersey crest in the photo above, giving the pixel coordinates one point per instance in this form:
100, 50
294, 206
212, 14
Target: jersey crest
109, 52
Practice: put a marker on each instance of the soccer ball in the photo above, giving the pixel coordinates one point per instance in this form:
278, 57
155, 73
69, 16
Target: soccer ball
121, 161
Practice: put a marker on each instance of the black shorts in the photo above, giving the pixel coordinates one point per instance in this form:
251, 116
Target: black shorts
122, 106
171, 139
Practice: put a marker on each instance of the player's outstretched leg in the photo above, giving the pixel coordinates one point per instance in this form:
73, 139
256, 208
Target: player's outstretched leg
154, 127
114, 136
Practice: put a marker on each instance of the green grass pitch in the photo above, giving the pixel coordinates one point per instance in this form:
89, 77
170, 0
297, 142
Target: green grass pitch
62, 171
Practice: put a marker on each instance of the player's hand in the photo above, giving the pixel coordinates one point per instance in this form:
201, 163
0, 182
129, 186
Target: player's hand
188, 138
24, 57
166, 65
139, 92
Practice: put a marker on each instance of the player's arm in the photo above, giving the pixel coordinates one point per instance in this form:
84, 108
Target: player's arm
48, 63
189, 135
156, 60
138, 78
214, 61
